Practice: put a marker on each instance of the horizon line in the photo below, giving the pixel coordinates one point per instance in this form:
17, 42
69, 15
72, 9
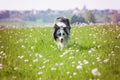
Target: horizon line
52, 9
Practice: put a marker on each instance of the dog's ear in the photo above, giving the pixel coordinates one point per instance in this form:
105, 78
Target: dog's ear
56, 26
66, 30
68, 23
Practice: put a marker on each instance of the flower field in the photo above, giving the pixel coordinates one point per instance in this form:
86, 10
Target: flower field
93, 53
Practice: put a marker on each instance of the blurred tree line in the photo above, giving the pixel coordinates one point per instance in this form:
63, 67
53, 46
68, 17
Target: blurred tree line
90, 17
49, 16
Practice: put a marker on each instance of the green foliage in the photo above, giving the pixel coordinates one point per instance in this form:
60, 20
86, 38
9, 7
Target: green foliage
77, 19
116, 18
107, 19
31, 54
89, 17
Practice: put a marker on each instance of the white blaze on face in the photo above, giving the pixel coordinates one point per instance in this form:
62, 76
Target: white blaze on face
61, 24
61, 34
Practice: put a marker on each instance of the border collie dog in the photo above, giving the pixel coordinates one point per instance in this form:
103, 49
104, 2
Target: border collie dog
61, 32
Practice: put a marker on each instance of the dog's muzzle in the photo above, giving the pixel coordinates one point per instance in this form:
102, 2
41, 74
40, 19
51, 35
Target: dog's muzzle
61, 40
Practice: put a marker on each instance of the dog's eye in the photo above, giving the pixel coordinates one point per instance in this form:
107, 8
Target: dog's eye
63, 33
59, 34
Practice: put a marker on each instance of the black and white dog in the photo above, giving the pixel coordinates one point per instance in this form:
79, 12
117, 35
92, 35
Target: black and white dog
61, 32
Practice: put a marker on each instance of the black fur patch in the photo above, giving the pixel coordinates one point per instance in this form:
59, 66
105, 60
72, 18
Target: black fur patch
55, 31
66, 30
64, 20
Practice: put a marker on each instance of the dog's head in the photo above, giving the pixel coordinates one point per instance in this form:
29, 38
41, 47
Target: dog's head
61, 29
61, 33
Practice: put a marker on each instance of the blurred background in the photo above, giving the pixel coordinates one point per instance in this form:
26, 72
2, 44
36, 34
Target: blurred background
36, 13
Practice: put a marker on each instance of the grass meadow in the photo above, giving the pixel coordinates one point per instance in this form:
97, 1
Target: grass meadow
93, 53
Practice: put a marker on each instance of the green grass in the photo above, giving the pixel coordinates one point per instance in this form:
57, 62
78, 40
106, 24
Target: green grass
93, 53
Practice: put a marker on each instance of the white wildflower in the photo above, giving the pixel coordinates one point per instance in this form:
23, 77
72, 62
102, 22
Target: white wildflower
61, 55
118, 36
40, 78
46, 61
2, 46
1, 52
105, 41
56, 64
73, 62
95, 72
77, 50
32, 47
112, 52
67, 72
23, 46
76, 38
30, 65
20, 57
15, 68
10, 36
66, 52
117, 28
61, 64
80, 63
99, 46
74, 73
90, 79
91, 50
94, 42
98, 59
38, 55
79, 67
39, 73
30, 35
90, 34
1, 66
43, 67
35, 60
26, 60
117, 47
53, 68
71, 57
70, 77
4, 54
93, 62
106, 60
14, 77
85, 62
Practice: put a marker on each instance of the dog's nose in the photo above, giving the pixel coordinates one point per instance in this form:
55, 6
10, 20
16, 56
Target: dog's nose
62, 40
